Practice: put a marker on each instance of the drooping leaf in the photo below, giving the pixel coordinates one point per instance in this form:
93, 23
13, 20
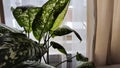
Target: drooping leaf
80, 57
50, 11
4, 28
62, 31
58, 47
78, 36
25, 15
60, 18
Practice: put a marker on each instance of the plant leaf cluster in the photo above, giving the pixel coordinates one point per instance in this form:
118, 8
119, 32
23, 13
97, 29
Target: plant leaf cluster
44, 22
15, 47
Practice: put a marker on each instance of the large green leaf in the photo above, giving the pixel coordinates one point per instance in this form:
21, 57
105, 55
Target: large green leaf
60, 18
47, 16
80, 57
59, 47
64, 30
25, 16
43, 19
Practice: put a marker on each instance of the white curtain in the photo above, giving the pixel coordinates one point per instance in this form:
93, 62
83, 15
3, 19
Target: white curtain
103, 33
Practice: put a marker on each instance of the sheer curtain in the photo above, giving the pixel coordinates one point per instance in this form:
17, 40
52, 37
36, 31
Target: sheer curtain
103, 33
91, 28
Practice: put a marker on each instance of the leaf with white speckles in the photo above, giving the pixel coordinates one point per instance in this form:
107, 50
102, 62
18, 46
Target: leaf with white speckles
51, 11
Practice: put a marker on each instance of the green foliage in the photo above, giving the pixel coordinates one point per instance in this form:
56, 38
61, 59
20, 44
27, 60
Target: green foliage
51, 15
16, 48
45, 19
87, 65
44, 23
84, 61
60, 18
64, 30
78, 36
80, 57
56, 45
41, 21
25, 16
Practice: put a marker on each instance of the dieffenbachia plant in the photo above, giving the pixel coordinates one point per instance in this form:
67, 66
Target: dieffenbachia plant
44, 22
45, 19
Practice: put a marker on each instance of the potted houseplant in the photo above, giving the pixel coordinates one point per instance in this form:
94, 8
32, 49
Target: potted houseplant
16, 47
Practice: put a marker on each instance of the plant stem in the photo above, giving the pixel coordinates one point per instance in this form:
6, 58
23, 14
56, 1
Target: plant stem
65, 61
44, 59
28, 35
47, 48
29, 23
46, 45
48, 57
47, 40
25, 31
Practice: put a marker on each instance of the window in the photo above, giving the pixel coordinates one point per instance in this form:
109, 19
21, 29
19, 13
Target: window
75, 18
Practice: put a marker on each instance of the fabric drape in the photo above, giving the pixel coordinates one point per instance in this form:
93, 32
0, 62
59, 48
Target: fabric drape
103, 31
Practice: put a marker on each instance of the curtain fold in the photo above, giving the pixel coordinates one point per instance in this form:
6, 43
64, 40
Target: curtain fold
115, 42
90, 29
103, 31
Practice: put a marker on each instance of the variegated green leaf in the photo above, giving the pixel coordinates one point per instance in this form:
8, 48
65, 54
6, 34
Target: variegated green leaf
60, 18
16, 48
47, 16
25, 16
64, 30
43, 19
